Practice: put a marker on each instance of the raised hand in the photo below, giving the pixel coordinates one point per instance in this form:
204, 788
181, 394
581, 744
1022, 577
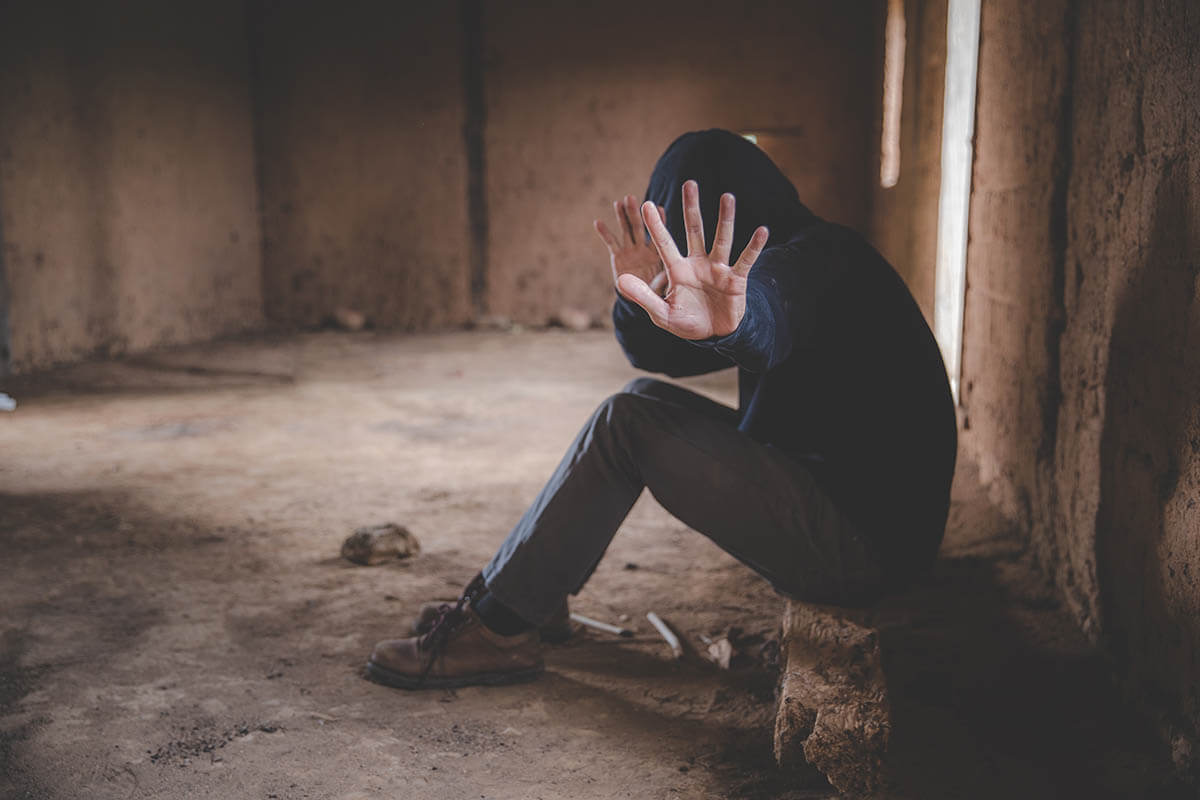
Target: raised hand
706, 296
629, 252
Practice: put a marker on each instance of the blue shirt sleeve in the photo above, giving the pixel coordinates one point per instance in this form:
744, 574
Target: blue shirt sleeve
780, 310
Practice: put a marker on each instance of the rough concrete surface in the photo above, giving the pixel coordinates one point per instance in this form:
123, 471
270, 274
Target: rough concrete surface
361, 153
833, 701
1131, 351
1080, 371
128, 204
177, 622
180, 172
583, 98
1009, 372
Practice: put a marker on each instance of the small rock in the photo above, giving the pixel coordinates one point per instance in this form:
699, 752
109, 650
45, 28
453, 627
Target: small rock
7, 403
349, 319
376, 544
720, 652
492, 322
573, 319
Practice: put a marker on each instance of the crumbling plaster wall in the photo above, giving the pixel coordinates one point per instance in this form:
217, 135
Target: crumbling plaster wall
1082, 341
362, 161
583, 97
1012, 316
127, 191
903, 220
1128, 455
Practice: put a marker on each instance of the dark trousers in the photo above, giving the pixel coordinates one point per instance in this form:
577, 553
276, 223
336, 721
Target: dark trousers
760, 505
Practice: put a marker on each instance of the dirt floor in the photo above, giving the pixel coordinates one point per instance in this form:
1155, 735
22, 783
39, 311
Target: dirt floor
176, 621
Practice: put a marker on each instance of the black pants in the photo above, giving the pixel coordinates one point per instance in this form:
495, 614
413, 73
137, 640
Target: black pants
755, 502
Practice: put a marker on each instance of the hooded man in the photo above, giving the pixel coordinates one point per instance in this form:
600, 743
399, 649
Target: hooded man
832, 477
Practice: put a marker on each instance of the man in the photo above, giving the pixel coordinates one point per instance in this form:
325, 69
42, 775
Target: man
832, 477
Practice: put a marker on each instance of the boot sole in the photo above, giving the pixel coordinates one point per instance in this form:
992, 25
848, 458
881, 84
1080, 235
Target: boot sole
548, 635
397, 680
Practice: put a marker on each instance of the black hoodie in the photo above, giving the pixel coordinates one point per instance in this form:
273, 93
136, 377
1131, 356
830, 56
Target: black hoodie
836, 364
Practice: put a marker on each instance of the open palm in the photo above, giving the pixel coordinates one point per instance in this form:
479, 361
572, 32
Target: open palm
705, 295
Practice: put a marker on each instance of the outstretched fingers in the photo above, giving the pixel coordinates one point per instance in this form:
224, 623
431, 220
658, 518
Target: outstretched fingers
606, 236
723, 240
623, 234
693, 221
757, 242
629, 209
659, 235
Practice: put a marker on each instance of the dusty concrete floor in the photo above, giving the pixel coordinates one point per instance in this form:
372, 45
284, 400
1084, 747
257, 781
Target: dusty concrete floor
176, 621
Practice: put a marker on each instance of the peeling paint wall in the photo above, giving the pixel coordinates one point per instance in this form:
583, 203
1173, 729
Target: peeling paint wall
1081, 365
362, 161
582, 98
127, 191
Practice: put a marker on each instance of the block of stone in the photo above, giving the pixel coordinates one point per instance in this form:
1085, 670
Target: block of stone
573, 319
833, 713
720, 652
349, 319
375, 544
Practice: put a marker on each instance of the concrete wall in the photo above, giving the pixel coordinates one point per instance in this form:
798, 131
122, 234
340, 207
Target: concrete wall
362, 161
582, 98
128, 205
174, 172
1012, 315
1131, 347
903, 220
1081, 365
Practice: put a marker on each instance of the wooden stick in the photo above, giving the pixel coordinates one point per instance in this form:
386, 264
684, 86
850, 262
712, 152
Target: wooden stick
666, 633
601, 626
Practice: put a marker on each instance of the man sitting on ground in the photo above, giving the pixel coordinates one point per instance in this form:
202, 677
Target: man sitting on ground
832, 477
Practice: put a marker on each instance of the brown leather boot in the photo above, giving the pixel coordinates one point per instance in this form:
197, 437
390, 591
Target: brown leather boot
458, 651
555, 631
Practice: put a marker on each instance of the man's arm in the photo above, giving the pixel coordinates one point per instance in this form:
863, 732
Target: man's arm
771, 324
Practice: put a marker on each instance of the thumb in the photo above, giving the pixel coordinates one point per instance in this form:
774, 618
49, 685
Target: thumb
636, 290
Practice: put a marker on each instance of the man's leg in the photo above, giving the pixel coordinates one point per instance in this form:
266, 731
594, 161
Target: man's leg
752, 500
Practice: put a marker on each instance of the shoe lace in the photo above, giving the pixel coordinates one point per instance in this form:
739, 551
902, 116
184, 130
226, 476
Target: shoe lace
449, 619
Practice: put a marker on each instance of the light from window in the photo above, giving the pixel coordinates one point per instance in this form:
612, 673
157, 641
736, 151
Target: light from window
893, 94
958, 134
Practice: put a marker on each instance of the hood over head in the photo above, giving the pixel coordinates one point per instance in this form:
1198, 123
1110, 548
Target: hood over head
721, 161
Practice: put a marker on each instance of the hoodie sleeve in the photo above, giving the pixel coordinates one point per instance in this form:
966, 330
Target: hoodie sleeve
781, 308
653, 349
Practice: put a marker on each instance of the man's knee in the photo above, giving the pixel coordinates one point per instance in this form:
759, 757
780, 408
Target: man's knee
623, 410
622, 405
